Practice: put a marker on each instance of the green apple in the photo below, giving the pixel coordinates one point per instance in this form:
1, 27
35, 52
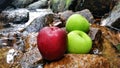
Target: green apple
77, 22
78, 42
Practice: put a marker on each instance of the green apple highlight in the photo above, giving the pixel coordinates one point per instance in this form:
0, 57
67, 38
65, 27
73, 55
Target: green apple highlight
79, 42
77, 22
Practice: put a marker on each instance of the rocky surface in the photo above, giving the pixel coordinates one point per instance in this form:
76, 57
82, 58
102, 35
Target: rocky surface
10, 58
80, 61
15, 57
86, 13
97, 7
23, 20
105, 43
20, 21
113, 19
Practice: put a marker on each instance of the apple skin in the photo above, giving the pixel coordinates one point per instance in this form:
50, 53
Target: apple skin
79, 42
52, 43
77, 22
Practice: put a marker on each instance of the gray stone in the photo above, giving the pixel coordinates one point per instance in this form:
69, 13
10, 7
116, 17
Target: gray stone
38, 4
14, 16
37, 22
21, 3
113, 20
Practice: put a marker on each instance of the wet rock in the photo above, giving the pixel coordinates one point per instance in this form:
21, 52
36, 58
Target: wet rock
65, 15
97, 7
30, 41
10, 58
113, 19
59, 19
4, 4
21, 3
38, 4
110, 40
12, 39
86, 13
30, 58
80, 61
22, 43
37, 20
17, 16
96, 36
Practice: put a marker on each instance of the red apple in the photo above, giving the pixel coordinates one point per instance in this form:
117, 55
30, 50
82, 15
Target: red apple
52, 42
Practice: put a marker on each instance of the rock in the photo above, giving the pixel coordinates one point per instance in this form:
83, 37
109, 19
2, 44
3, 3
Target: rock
96, 36
30, 41
21, 3
19, 41
113, 19
86, 13
12, 39
22, 43
80, 61
38, 4
4, 4
37, 20
30, 58
17, 16
65, 15
97, 7
109, 41
10, 58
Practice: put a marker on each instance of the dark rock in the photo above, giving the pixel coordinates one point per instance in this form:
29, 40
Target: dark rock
17, 16
65, 15
86, 13
97, 7
96, 36
59, 19
4, 4
109, 41
38, 4
21, 3
113, 20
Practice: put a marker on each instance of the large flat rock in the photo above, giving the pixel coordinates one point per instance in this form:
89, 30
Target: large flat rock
80, 61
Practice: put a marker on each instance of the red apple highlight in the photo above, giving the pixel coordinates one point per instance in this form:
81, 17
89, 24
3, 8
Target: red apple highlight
52, 42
